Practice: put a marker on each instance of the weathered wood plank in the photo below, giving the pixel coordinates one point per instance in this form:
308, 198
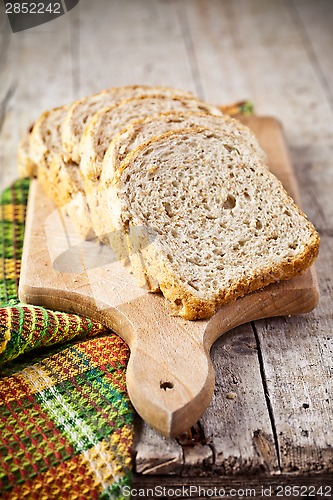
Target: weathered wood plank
297, 363
139, 42
313, 164
156, 454
211, 31
6, 76
237, 424
251, 49
259, 487
309, 423
40, 62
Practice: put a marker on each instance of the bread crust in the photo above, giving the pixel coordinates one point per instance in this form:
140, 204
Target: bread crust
192, 308
26, 166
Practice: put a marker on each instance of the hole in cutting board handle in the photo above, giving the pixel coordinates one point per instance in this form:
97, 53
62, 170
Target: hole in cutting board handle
166, 385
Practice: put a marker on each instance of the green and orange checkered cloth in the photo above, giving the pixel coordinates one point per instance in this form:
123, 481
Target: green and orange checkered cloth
66, 422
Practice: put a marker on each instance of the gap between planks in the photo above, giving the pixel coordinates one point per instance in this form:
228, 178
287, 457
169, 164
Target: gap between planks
298, 12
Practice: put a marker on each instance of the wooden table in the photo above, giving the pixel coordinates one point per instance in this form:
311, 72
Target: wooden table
270, 421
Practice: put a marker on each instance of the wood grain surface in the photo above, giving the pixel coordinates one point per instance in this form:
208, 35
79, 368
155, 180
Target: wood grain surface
278, 55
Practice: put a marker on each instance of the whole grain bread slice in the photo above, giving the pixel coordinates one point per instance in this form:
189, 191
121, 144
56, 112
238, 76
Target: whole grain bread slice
45, 138
139, 131
83, 110
210, 221
46, 152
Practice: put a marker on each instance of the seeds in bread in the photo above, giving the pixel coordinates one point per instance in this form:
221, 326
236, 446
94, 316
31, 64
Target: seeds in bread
222, 225
83, 110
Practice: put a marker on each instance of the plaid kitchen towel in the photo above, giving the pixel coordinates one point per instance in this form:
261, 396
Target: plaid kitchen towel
66, 422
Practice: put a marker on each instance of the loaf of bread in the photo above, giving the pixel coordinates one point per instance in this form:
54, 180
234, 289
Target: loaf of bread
210, 222
83, 110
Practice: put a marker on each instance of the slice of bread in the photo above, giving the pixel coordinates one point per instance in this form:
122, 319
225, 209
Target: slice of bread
108, 122
45, 138
46, 150
210, 221
142, 130
83, 110
60, 179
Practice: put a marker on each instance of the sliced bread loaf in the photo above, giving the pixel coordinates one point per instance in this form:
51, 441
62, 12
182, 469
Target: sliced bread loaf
82, 111
57, 172
108, 122
210, 221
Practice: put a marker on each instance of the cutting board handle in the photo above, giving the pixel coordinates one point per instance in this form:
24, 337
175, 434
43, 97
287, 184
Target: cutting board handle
165, 398
170, 378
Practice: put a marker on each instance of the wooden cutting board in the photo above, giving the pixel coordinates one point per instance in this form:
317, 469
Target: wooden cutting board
170, 377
